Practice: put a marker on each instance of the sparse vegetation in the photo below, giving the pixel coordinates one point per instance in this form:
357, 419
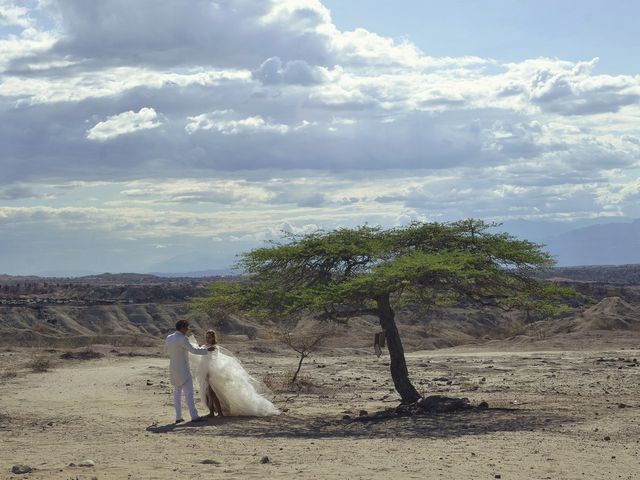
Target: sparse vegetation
280, 382
307, 341
86, 354
40, 363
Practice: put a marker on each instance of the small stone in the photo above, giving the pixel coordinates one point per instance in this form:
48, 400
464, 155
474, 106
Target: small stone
363, 413
19, 469
346, 417
87, 463
497, 475
607, 438
265, 459
149, 382
210, 462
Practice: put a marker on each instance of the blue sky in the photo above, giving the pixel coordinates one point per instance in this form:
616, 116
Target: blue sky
507, 30
170, 135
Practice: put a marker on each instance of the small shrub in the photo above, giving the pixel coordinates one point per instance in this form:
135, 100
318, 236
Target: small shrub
9, 374
280, 382
87, 354
4, 418
40, 363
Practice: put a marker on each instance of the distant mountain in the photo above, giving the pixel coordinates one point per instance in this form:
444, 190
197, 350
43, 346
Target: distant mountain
66, 273
600, 241
605, 244
193, 262
221, 272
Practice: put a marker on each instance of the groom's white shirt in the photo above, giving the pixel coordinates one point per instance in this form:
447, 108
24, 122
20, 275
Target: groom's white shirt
178, 347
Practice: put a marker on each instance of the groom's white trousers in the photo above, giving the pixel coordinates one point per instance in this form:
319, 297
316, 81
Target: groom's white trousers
187, 388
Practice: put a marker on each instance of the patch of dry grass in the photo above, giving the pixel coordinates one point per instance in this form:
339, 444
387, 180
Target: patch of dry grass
40, 363
280, 382
7, 374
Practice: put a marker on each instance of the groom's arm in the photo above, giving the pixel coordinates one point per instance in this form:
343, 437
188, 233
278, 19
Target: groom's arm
190, 347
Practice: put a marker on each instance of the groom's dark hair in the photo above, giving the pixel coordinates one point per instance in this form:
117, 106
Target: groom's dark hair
180, 324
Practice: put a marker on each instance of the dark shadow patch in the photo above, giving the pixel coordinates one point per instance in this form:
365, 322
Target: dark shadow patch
432, 425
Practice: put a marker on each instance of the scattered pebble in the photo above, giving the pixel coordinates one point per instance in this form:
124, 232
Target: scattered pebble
607, 438
87, 463
210, 462
265, 459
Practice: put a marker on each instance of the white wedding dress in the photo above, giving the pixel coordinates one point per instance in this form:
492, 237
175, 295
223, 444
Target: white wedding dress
238, 392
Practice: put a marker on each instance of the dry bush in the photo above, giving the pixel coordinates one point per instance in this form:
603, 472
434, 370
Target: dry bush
305, 341
8, 374
86, 354
280, 382
4, 418
40, 363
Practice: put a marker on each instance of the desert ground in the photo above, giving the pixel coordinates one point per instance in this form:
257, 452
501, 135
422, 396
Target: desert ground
566, 408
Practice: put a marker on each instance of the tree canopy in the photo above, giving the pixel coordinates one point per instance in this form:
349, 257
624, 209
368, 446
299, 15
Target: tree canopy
368, 269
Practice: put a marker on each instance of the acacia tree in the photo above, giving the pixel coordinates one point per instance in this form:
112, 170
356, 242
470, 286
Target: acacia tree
368, 270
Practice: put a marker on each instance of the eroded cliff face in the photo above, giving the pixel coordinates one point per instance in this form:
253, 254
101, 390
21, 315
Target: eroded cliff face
45, 312
76, 325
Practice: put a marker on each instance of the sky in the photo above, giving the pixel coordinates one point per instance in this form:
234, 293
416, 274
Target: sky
171, 135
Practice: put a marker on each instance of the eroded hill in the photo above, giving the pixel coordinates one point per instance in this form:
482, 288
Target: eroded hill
141, 309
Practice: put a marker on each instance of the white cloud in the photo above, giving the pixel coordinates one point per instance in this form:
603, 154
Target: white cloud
124, 123
258, 113
76, 87
217, 121
295, 72
14, 15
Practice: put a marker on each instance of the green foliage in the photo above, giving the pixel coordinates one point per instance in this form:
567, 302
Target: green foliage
424, 262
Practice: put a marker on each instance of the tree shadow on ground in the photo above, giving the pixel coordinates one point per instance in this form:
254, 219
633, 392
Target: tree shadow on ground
437, 425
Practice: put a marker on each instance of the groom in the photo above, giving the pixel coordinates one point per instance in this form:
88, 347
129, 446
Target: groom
178, 347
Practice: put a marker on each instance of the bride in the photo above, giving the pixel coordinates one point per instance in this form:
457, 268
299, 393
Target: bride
227, 388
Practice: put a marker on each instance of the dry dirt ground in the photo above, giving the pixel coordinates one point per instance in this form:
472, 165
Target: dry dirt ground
554, 414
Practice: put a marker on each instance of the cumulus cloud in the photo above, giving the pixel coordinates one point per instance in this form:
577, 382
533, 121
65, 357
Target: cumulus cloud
572, 90
219, 121
14, 15
294, 72
124, 123
239, 33
281, 117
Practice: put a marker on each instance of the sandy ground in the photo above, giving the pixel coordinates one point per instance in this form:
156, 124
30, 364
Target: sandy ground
553, 415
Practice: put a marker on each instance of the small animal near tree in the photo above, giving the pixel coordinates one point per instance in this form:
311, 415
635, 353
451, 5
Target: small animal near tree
369, 270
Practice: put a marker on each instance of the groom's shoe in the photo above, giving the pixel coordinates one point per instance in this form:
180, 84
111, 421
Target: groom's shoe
199, 419
180, 420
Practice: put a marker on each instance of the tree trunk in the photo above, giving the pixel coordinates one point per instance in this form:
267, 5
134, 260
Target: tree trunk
295, 375
399, 371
